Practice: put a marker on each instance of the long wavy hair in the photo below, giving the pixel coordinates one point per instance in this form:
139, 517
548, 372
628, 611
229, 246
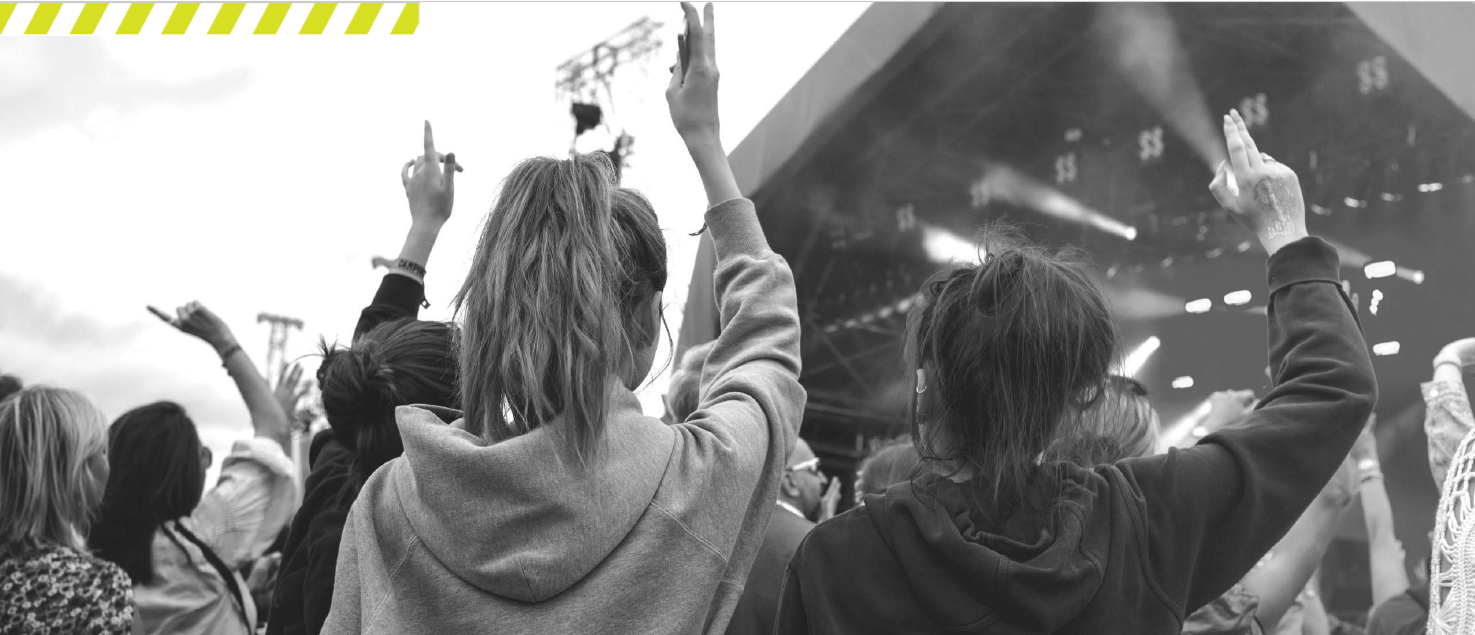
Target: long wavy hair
1015, 348
1123, 425
550, 311
398, 363
47, 495
158, 475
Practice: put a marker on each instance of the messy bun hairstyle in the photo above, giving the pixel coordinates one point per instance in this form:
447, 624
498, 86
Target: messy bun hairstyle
397, 363
551, 309
1017, 348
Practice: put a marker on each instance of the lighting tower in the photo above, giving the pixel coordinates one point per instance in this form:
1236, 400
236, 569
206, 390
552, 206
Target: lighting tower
583, 77
276, 350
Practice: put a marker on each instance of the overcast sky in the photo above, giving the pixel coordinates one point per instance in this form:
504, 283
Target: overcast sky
259, 173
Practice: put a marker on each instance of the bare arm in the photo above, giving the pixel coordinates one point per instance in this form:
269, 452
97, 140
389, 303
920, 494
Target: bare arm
1295, 558
1385, 554
267, 417
1447, 419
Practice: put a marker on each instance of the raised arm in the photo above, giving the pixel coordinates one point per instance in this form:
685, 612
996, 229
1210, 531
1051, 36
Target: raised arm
1447, 418
267, 417
431, 191
1294, 559
751, 374
1452, 458
1214, 509
1385, 553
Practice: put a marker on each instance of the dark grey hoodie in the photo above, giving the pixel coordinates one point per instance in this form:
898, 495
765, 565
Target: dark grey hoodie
459, 536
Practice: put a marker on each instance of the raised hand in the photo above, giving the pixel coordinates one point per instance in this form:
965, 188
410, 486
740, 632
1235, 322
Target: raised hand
830, 501
290, 390
692, 94
1460, 353
431, 189
1366, 448
194, 319
1339, 491
1228, 407
1262, 193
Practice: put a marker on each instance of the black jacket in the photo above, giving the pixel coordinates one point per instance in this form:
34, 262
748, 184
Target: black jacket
1126, 548
304, 590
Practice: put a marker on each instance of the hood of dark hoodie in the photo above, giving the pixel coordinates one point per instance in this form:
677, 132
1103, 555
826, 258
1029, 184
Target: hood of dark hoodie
515, 519
965, 568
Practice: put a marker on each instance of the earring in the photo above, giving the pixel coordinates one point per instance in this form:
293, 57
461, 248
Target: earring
921, 381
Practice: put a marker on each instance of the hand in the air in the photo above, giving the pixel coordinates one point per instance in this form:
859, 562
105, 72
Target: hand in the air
1339, 491
692, 94
290, 390
431, 189
1459, 352
1366, 447
830, 501
194, 319
1262, 193
1228, 407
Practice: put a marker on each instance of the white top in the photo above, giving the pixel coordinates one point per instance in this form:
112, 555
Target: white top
239, 518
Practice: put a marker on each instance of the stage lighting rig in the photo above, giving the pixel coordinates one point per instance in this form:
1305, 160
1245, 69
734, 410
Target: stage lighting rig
586, 79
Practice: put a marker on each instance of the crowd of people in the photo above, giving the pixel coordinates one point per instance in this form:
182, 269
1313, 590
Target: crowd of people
497, 473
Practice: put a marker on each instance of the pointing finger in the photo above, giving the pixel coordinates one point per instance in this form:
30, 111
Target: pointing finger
161, 315
429, 142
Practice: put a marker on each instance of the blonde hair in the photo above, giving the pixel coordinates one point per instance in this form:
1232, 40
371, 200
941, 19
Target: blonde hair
47, 436
550, 308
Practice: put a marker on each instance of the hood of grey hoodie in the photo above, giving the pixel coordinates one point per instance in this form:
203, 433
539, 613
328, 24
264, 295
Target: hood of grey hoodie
515, 518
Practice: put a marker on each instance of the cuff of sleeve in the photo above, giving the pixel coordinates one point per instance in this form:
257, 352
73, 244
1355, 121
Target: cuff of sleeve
1310, 259
400, 290
735, 229
1437, 390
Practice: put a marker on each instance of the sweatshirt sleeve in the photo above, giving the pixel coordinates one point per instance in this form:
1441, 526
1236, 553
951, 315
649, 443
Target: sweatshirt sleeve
398, 297
1211, 511
732, 450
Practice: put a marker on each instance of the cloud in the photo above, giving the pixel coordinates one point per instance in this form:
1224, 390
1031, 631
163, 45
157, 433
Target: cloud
47, 82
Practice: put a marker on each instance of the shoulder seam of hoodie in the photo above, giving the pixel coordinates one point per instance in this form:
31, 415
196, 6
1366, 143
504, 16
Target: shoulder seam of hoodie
689, 532
389, 578
1138, 535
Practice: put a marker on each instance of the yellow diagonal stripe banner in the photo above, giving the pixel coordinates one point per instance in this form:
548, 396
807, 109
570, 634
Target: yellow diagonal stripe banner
209, 18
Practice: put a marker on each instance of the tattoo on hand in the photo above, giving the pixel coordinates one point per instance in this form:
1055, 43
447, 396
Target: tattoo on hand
1273, 195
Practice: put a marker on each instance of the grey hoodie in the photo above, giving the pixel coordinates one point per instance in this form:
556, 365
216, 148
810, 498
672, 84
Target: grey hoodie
459, 536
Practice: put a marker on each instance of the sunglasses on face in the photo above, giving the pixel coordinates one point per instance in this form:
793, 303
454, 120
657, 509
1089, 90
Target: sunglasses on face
811, 466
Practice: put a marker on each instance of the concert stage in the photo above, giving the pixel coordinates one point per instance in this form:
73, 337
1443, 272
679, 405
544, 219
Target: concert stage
1096, 125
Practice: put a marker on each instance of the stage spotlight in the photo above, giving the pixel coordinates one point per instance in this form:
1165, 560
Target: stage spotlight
1201, 305
1237, 298
1381, 269
1005, 184
1200, 432
1386, 348
1430, 187
1377, 298
1183, 382
944, 247
1188, 424
1143, 43
1139, 356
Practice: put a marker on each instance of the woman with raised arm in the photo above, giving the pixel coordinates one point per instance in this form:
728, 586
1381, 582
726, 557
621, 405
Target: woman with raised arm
1012, 350
552, 504
1451, 431
53, 467
183, 550
395, 360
